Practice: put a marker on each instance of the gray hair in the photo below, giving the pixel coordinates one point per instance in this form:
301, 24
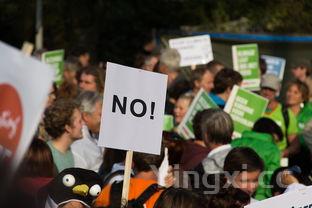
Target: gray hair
171, 58
87, 101
216, 127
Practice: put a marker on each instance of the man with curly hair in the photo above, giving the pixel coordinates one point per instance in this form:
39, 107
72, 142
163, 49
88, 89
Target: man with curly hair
63, 123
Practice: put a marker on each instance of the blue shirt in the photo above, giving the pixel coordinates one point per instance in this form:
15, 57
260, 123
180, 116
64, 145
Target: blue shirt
218, 100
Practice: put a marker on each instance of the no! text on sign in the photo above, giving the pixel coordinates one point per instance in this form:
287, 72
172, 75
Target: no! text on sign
133, 109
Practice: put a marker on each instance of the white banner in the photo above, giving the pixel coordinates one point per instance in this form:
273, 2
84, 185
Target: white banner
295, 199
275, 65
193, 50
24, 87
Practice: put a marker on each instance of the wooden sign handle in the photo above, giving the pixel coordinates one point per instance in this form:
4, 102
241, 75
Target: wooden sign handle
126, 181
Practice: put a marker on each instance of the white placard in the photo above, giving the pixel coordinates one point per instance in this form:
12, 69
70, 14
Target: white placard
275, 65
295, 199
133, 109
193, 50
24, 87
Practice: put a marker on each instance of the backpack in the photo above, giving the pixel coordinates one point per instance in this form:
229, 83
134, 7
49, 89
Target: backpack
115, 196
110, 176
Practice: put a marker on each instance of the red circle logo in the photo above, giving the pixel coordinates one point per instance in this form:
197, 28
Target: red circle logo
11, 119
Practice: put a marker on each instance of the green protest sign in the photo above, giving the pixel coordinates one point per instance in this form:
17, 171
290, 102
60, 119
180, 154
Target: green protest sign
245, 108
246, 62
56, 60
168, 123
201, 102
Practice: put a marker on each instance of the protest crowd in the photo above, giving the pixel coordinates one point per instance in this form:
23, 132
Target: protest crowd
213, 167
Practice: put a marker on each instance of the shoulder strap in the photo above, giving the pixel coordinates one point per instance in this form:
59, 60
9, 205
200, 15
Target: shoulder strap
115, 195
112, 175
286, 119
147, 193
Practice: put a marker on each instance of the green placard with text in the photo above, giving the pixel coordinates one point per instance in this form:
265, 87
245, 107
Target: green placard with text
245, 109
201, 102
56, 60
246, 62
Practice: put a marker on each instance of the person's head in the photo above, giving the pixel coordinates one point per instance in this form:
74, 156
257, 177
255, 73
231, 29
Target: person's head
263, 66
268, 126
111, 157
270, 86
146, 62
175, 147
68, 90
83, 55
215, 66
143, 162
229, 197
197, 120
92, 79
245, 166
38, 53
216, 127
225, 80
38, 161
301, 69
202, 78
181, 106
91, 108
52, 95
297, 93
169, 63
63, 118
150, 62
180, 198
71, 66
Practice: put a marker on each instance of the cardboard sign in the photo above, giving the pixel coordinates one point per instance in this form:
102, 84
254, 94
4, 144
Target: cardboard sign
275, 65
27, 48
294, 199
133, 109
246, 62
245, 108
193, 50
201, 102
56, 60
24, 88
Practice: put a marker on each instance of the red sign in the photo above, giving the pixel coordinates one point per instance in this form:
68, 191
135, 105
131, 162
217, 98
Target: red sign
11, 120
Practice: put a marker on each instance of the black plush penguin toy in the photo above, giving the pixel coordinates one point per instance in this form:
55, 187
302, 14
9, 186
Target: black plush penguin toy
73, 184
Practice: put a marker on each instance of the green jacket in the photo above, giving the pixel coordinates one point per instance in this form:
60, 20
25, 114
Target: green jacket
265, 147
304, 116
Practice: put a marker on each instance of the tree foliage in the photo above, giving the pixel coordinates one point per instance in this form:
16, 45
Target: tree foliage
116, 29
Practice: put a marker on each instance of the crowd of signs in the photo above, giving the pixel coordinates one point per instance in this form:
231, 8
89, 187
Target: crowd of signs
139, 101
